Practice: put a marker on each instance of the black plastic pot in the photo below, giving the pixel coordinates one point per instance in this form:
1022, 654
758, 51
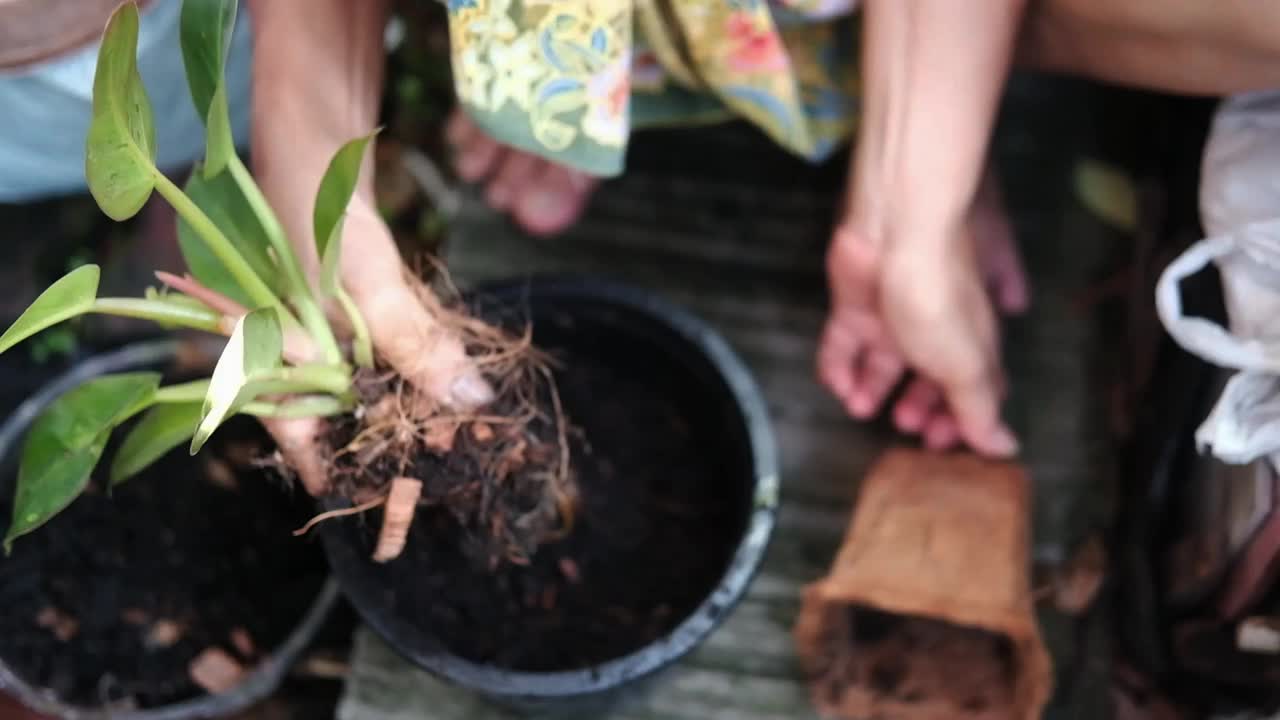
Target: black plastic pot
261, 681
560, 310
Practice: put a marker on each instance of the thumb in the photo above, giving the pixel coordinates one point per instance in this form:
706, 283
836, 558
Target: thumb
411, 338
976, 408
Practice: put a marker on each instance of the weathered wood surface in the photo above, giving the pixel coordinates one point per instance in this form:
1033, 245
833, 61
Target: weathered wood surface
740, 241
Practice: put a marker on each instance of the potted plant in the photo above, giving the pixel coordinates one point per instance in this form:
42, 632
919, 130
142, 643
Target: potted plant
640, 512
171, 597
675, 474
174, 596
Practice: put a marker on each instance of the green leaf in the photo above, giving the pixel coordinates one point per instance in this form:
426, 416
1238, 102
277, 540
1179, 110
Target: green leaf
205, 36
66, 442
226, 205
336, 188
71, 295
163, 428
121, 149
254, 350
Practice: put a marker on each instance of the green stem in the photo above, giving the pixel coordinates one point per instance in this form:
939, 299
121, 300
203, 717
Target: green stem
302, 407
303, 379
222, 248
361, 345
330, 379
161, 312
300, 294
193, 391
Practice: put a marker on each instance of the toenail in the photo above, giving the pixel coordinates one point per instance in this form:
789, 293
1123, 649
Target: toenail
546, 200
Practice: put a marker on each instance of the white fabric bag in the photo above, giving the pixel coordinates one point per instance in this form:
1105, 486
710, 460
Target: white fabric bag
1240, 209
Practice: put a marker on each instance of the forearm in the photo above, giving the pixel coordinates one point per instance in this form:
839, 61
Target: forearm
933, 73
317, 79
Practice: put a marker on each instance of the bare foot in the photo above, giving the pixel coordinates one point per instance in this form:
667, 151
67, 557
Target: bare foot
544, 198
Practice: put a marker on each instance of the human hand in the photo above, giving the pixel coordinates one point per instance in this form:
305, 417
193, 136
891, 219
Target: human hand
405, 331
925, 305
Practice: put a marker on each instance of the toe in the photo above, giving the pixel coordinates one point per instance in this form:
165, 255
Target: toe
515, 174
555, 198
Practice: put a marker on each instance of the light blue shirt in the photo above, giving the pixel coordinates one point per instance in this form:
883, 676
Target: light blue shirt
45, 108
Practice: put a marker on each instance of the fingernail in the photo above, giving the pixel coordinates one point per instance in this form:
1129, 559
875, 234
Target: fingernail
547, 201
578, 181
1003, 443
470, 391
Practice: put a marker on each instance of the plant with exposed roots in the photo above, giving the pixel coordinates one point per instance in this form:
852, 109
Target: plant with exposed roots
283, 358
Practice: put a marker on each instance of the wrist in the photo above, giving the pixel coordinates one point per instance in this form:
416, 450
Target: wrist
909, 224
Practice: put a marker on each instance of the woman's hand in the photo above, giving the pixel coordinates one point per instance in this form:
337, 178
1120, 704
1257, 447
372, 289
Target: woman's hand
900, 306
318, 72
907, 267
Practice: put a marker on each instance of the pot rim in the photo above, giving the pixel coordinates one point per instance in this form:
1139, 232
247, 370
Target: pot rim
707, 616
258, 683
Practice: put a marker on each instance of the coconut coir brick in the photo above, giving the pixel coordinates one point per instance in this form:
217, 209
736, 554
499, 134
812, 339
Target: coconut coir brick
927, 613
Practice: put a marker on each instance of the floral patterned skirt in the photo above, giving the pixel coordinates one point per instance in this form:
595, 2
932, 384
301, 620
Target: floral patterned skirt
569, 79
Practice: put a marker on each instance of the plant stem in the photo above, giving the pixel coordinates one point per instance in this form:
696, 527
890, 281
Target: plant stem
193, 391
300, 294
301, 407
361, 345
296, 407
221, 247
164, 313
331, 379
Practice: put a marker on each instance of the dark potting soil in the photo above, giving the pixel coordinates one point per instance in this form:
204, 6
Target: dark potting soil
115, 596
877, 664
661, 505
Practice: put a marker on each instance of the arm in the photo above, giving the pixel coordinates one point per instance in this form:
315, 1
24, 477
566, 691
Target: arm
906, 290
317, 81
933, 72
318, 75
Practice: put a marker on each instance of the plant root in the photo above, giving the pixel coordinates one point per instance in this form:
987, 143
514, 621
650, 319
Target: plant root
216, 671
341, 512
402, 503
501, 471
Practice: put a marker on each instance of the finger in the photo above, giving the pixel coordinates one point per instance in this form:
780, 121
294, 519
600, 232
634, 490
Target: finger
917, 404
940, 432
556, 198
423, 350
408, 335
837, 351
877, 374
515, 174
298, 444
1009, 287
976, 409
997, 248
